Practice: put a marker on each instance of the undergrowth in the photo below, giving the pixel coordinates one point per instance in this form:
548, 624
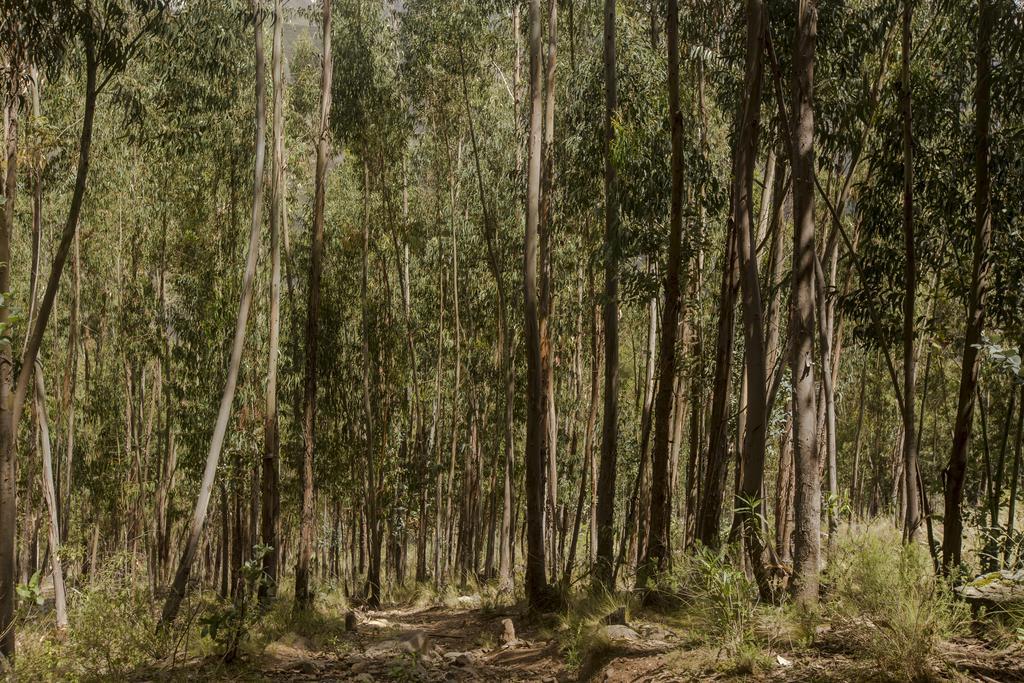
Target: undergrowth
887, 603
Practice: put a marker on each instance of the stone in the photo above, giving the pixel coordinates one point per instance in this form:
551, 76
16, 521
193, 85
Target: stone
508, 632
309, 667
377, 623
460, 658
468, 601
996, 589
620, 633
414, 641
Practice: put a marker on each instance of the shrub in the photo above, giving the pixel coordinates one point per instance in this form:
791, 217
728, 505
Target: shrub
112, 633
886, 601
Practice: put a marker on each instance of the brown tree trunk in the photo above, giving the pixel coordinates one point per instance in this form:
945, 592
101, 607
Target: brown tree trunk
12, 399
855, 480
912, 499
660, 512
953, 523
603, 569
271, 501
536, 582
807, 498
546, 266
710, 507
1008, 543
374, 521
8, 463
303, 593
744, 161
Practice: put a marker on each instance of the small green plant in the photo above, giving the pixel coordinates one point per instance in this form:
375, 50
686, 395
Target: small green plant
720, 598
30, 592
229, 624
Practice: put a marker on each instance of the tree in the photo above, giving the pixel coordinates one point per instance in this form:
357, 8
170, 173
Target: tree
536, 581
603, 569
755, 432
807, 532
303, 593
181, 577
956, 470
912, 495
660, 513
41, 33
271, 502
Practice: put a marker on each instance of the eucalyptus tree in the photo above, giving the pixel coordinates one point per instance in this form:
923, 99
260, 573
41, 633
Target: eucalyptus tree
660, 513
970, 365
912, 498
755, 430
41, 34
303, 592
603, 569
271, 502
807, 536
536, 582
181, 577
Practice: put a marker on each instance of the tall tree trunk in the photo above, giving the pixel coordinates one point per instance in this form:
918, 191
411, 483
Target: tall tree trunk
635, 523
59, 596
596, 361
457, 386
70, 383
271, 501
506, 552
374, 522
12, 394
546, 266
827, 396
912, 500
744, 162
1008, 542
536, 582
181, 576
807, 498
952, 537
603, 570
8, 462
303, 593
710, 509
855, 479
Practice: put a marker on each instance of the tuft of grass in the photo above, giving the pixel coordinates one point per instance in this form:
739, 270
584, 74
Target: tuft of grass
886, 601
579, 628
719, 600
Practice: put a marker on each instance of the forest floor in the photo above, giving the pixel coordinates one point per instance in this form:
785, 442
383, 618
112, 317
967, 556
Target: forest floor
471, 643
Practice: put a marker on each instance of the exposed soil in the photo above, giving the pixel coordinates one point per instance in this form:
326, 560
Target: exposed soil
469, 644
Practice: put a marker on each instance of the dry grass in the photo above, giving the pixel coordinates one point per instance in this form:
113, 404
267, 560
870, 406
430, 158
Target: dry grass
887, 604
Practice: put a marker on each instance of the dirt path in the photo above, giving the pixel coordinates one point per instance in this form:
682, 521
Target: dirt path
470, 644
429, 644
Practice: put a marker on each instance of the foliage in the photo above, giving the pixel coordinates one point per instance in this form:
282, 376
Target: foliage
886, 601
114, 634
